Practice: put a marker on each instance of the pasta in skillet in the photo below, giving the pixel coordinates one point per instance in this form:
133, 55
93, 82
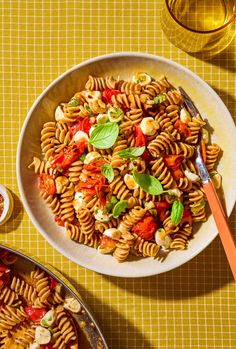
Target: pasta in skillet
34, 312
117, 167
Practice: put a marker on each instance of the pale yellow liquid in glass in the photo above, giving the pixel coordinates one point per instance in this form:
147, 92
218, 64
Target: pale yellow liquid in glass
200, 15
201, 25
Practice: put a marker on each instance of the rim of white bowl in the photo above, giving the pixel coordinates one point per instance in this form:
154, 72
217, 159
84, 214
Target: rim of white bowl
22, 133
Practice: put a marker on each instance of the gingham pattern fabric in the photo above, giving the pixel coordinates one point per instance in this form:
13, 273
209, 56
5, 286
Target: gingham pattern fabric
193, 306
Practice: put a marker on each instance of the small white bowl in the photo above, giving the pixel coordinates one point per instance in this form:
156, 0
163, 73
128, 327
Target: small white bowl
7, 204
62, 89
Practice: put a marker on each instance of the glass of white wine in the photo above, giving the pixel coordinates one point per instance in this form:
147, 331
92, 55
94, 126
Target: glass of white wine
204, 27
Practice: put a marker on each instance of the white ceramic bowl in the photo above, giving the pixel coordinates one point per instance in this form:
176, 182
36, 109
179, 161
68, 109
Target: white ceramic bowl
62, 89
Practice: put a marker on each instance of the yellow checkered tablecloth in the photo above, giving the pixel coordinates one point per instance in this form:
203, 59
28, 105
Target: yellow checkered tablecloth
193, 306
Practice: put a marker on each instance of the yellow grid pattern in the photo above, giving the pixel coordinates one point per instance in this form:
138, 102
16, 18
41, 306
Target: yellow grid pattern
193, 306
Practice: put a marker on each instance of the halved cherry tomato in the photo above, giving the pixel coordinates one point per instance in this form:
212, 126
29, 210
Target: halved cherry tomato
68, 155
82, 124
59, 221
140, 139
162, 207
146, 228
173, 162
108, 93
182, 128
187, 217
94, 185
146, 156
177, 173
95, 165
203, 150
107, 242
46, 184
35, 314
53, 282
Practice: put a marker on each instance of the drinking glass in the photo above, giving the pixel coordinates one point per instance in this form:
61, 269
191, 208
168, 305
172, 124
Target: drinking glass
203, 27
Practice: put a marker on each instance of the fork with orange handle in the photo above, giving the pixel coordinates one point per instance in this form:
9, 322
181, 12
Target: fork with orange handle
212, 197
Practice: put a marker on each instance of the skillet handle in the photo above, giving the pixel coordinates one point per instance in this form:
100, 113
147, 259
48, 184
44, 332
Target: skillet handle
222, 225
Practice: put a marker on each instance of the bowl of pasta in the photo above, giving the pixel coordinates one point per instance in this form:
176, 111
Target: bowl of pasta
40, 308
106, 168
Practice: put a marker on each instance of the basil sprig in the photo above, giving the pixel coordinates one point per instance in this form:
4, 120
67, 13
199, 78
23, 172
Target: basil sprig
104, 135
148, 183
177, 211
107, 171
132, 152
119, 207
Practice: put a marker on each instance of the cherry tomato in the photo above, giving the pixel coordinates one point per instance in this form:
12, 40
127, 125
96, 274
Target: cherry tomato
59, 221
53, 282
173, 162
146, 228
35, 314
140, 139
93, 186
108, 93
182, 128
187, 217
162, 207
82, 124
107, 242
95, 165
69, 154
203, 150
46, 184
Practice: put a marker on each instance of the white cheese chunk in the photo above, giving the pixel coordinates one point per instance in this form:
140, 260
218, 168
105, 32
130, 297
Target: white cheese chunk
34, 345
59, 115
112, 233
162, 239
78, 200
48, 319
101, 216
72, 304
80, 136
185, 116
193, 177
105, 250
42, 335
142, 79
130, 182
102, 118
149, 126
91, 156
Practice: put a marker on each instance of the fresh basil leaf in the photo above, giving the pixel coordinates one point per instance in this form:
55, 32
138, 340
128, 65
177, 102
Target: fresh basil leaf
132, 152
159, 99
73, 103
108, 172
82, 157
119, 207
104, 135
148, 183
177, 211
113, 200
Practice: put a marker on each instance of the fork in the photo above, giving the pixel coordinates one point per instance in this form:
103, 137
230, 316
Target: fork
212, 197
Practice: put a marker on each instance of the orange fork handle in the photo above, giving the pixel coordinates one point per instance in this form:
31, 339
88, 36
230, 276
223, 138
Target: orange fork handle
222, 225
